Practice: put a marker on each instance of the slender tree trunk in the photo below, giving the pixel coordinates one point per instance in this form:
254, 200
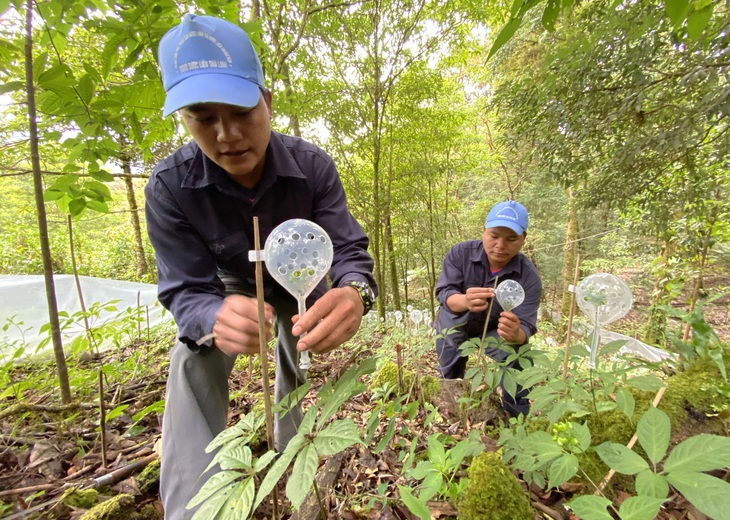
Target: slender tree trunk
699, 281
569, 254
56, 339
140, 258
393, 267
431, 264
376, 231
654, 332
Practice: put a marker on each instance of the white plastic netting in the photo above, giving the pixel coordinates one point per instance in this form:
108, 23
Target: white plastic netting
24, 307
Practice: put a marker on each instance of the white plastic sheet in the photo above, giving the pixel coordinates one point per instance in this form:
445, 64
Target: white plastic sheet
632, 347
24, 300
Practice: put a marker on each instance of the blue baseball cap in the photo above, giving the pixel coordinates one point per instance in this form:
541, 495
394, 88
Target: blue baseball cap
208, 60
510, 214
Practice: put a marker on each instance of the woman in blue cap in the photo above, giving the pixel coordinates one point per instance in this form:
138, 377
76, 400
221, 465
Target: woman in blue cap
465, 290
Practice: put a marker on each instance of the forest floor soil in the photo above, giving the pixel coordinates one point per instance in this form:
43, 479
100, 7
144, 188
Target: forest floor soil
48, 448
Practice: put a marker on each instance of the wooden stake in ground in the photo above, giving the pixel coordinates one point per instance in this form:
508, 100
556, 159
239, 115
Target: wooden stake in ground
264, 351
102, 418
570, 318
489, 313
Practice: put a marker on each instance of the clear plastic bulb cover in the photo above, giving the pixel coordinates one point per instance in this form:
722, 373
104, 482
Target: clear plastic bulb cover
509, 294
604, 297
298, 254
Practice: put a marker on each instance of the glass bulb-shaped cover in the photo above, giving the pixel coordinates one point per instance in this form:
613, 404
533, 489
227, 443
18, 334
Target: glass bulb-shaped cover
604, 297
298, 254
509, 294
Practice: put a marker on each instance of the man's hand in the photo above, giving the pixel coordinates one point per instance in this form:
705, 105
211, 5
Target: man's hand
236, 325
476, 299
509, 328
331, 321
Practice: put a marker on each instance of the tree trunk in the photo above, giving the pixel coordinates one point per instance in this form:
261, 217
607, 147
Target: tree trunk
655, 331
569, 253
395, 286
140, 258
61, 367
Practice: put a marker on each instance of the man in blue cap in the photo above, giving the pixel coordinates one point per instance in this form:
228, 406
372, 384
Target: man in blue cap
200, 204
465, 289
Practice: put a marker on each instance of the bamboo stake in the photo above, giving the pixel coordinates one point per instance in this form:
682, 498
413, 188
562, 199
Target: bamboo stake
570, 318
489, 312
102, 418
264, 350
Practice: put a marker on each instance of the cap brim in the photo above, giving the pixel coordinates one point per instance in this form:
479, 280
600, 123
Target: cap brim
211, 88
505, 223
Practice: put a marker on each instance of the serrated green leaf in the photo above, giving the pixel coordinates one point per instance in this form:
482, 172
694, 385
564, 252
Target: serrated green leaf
279, 467
346, 387
101, 175
550, 14
234, 456
264, 460
302, 476
430, 485
11, 86
704, 492
239, 429
582, 434
98, 206
422, 469
116, 412
218, 482
621, 459
337, 437
414, 505
640, 508
238, 505
653, 431
562, 469
542, 444
456, 455
651, 484
85, 89
51, 194
590, 506
698, 20
676, 11
211, 507
647, 383
702, 452
612, 347
76, 207
389, 432
507, 31
625, 401
436, 451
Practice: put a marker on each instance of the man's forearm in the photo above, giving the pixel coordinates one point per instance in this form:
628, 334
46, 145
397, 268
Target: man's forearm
457, 303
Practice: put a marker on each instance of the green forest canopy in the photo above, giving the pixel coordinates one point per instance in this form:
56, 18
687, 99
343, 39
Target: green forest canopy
607, 119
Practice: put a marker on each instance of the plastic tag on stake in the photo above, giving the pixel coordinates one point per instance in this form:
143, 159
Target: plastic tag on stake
298, 254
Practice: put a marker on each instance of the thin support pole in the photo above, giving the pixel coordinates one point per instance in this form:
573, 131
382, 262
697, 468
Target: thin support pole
570, 318
264, 350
